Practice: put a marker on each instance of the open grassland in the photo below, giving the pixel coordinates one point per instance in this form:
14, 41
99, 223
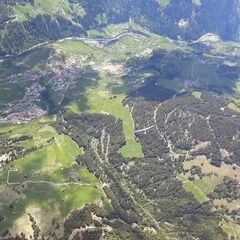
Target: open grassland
217, 173
94, 33
201, 72
23, 12
16, 76
197, 95
164, 3
58, 201
11, 92
234, 107
123, 48
110, 88
130, 47
43, 163
197, 2
35, 60
73, 47
230, 228
172, 85
116, 29
212, 175
99, 100
194, 188
47, 178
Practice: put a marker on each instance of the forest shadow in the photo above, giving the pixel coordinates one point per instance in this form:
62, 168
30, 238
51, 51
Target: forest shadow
176, 72
77, 92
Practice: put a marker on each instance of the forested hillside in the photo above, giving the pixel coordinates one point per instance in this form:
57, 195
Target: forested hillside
119, 120
24, 23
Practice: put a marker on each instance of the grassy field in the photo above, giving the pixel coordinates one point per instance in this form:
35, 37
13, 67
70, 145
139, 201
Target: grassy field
233, 107
197, 2
100, 100
74, 47
41, 7
200, 188
164, 3
172, 85
230, 228
208, 183
11, 92
197, 95
202, 72
110, 88
216, 173
194, 188
213, 176
49, 178
94, 33
14, 90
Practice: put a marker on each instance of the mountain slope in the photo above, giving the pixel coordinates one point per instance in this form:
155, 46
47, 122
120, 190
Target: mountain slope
24, 23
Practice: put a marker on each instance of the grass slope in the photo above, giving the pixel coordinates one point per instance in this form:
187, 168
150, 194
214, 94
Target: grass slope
48, 178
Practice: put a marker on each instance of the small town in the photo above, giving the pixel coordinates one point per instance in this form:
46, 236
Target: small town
61, 76
25, 109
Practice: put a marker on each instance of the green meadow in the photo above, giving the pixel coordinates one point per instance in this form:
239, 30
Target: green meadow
194, 188
109, 88
23, 12
163, 3
100, 100
230, 228
197, 94
48, 177
233, 107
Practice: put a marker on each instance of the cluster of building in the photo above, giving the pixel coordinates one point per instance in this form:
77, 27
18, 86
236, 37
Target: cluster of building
61, 76
25, 109
63, 79
191, 84
65, 74
26, 75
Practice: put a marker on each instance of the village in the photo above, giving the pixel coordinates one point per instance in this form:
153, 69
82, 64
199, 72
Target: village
60, 76
25, 109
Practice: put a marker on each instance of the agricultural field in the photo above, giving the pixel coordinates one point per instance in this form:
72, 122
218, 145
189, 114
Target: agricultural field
110, 88
100, 100
42, 7
47, 182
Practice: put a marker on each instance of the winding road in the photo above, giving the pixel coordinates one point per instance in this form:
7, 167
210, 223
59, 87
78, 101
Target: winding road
105, 41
